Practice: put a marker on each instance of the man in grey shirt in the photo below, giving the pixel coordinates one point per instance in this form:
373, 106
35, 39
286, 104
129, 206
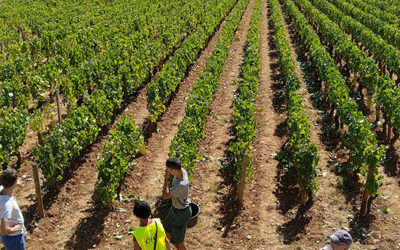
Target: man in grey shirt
180, 212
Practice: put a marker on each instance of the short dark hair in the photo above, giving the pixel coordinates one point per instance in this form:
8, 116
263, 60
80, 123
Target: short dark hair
8, 177
142, 209
174, 163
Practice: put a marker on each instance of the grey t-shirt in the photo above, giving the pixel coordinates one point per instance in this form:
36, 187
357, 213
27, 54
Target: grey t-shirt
10, 210
180, 190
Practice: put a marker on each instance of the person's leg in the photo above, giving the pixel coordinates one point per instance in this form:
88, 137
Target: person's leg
181, 246
176, 236
178, 229
7, 242
22, 242
168, 223
13, 242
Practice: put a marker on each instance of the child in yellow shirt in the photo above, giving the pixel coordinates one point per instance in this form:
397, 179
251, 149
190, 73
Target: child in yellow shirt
150, 234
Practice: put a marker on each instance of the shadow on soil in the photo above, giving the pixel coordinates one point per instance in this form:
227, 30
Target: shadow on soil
89, 230
330, 137
392, 160
282, 130
291, 229
50, 194
30, 213
287, 191
360, 227
229, 207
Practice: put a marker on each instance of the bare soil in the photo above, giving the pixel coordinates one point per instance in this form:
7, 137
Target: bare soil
256, 223
147, 176
271, 217
212, 185
336, 204
72, 209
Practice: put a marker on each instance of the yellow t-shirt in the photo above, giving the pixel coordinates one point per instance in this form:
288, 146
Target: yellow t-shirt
145, 236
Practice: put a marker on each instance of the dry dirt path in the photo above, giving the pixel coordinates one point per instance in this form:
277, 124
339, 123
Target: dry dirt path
330, 208
210, 185
85, 174
146, 178
335, 204
77, 221
26, 191
136, 107
74, 200
258, 221
269, 219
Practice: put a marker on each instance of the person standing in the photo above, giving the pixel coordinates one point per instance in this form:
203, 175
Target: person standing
12, 222
180, 212
150, 233
340, 240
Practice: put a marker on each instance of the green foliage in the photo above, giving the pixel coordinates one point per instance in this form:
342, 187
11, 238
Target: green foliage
66, 143
96, 53
390, 8
244, 115
160, 90
41, 117
361, 142
388, 95
74, 45
68, 140
304, 154
388, 32
13, 126
122, 146
191, 128
355, 58
381, 49
383, 15
114, 73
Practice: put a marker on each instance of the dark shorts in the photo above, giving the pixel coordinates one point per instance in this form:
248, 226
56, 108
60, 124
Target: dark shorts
13, 242
176, 224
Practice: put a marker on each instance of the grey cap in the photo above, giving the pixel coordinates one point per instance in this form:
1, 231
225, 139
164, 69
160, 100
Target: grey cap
341, 236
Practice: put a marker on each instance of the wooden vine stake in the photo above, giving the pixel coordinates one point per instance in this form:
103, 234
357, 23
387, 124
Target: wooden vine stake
364, 202
58, 105
396, 136
149, 129
40, 139
378, 114
242, 179
303, 197
37, 189
369, 102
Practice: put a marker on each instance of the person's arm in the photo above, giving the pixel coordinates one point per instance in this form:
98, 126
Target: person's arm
7, 226
167, 244
166, 192
7, 229
135, 244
